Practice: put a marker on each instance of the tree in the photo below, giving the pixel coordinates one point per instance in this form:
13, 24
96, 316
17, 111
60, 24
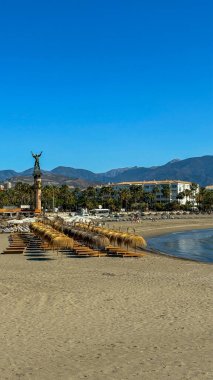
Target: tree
193, 189
159, 206
149, 199
172, 206
187, 193
180, 196
89, 196
207, 200
200, 197
66, 198
155, 191
105, 196
125, 196
166, 191
137, 193
20, 194
49, 197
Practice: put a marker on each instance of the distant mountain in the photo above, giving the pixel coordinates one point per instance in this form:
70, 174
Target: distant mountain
30, 172
5, 174
74, 173
173, 161
87, 174
49, 178
113, 173
196, 169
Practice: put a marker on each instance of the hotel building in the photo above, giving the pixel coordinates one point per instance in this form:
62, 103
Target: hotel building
157, 187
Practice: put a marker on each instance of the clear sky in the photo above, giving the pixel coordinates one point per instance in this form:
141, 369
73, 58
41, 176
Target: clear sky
100, 84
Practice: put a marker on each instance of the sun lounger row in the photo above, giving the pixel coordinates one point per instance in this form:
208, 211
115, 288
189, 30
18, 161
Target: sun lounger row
28, 243
118, 251
80, 249
17, 243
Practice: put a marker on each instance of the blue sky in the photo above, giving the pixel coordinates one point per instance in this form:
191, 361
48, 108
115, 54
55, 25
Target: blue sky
106, 83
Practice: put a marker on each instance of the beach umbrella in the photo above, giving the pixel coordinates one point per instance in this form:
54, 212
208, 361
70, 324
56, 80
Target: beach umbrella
55, 238
135, 241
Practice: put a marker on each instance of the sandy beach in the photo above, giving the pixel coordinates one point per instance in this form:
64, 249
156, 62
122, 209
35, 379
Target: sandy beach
150, 228
107, 318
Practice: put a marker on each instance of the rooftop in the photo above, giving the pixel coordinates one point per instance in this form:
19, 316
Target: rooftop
166, 181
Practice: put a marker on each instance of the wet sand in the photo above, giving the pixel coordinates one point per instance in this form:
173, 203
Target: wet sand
105, 318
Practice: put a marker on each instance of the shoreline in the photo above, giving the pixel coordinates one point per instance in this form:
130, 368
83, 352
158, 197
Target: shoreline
149, 229
173, 229
159, 228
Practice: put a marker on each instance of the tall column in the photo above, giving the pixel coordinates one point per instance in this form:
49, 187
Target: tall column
37, 184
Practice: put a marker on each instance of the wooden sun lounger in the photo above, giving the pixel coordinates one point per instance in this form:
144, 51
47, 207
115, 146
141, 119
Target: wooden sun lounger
123, 252
7, 251
134, 254
92, 253
83, 250
17, 246
17, 242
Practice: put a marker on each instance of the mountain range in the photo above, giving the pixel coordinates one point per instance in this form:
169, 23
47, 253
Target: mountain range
195, 169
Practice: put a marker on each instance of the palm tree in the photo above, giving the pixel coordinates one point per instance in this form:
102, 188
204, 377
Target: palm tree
149, 199
200, 197
50, 196
125, 196
23, 193
208, 200
66, 198
180, 196
193, 189
166, 191
187, 193
155, 191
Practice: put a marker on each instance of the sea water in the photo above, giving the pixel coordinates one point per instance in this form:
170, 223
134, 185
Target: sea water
194, 245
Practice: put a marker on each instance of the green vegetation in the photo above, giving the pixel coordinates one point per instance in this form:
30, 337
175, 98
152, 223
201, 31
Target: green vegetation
131, 199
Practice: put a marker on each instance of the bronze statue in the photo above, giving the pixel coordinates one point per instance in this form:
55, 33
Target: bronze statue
37, 170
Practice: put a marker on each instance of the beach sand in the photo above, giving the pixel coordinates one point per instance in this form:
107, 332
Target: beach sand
105, 318
149, 228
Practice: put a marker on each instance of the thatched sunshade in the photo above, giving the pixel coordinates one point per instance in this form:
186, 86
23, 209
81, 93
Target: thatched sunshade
62, 242
135, 241
90, 234
55, 239
94, 240
115, 237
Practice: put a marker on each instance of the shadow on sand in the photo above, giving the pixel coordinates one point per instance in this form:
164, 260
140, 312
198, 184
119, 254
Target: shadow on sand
39, 258
77, 257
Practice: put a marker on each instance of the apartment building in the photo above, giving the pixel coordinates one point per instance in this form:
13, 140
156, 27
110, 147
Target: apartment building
174, 188
209, 187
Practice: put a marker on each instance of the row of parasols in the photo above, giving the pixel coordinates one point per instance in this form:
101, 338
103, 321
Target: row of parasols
60, 236
54, 238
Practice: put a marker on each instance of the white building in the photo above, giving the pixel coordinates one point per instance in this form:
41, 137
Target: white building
175, 187
7, 185
210, 187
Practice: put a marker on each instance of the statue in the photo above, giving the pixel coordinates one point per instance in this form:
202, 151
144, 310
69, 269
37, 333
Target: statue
37, 170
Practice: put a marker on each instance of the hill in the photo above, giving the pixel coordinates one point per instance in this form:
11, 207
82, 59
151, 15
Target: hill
196, 169
6, 174
49, 178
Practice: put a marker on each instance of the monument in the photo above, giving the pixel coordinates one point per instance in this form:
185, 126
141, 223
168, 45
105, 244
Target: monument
37, 182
